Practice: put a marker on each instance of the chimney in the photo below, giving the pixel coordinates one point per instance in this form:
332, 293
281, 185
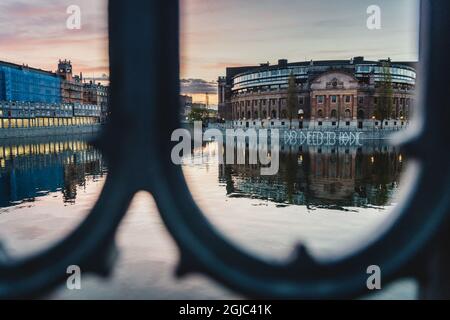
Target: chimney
282, 62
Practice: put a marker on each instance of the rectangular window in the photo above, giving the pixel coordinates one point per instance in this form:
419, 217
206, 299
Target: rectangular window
320, 123
360, 100
320, 99
348, 99
347, 123
301, 100
333, 123
333, 99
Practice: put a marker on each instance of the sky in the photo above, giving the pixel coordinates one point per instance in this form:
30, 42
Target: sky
215, 34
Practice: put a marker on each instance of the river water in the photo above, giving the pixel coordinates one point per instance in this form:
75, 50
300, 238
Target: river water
331, 198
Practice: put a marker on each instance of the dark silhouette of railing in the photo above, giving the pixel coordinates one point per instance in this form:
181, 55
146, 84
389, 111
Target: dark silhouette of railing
144, 62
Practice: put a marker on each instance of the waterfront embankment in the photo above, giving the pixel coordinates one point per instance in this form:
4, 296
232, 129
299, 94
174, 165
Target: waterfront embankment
8, 133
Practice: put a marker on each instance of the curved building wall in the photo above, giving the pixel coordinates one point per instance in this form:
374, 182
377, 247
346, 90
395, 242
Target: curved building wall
329, 94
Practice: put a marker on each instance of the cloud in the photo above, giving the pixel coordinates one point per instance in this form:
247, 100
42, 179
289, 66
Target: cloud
35, 33
198, 86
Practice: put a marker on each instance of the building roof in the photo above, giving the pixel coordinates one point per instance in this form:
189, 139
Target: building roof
26, 67
231, 72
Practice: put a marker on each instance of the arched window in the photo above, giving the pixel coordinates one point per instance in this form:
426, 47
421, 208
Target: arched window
334, 113
348, 113
274, 114
256, 114
242, 115
249, 115
360, 114
265, 114
320, 113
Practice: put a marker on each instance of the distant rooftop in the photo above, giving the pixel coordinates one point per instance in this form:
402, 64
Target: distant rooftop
25, 67
234, 71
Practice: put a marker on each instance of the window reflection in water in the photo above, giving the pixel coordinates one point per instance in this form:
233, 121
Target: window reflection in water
33, 168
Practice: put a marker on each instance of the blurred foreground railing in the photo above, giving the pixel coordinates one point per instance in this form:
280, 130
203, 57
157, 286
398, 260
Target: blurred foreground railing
144, 62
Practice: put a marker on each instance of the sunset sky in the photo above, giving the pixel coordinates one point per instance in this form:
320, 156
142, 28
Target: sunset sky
215, 34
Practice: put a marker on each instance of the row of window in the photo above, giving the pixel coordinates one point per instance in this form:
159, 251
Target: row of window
320, 114
279, 76
320, 100
38, 106
348, 99
320, 123
393, 71
47, 122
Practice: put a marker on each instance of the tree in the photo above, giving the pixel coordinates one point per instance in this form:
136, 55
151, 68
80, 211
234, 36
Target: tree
198, 114
384, 107
292, 99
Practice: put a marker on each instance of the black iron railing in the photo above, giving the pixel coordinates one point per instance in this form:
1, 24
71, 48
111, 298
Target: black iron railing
144, 62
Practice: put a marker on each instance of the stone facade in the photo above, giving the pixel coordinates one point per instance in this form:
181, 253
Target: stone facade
331, 94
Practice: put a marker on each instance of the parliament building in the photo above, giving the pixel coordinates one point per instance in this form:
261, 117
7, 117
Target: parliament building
341, 94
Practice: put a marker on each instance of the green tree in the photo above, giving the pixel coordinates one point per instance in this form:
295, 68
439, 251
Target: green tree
198, 114
292, 98
384, 107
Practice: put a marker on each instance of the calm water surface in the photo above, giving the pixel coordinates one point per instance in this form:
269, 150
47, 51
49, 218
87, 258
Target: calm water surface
329, 197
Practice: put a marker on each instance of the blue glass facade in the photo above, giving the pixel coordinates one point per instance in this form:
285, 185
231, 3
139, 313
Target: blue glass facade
20, 83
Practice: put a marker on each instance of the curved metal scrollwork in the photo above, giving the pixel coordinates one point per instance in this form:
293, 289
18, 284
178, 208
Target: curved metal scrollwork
144, 101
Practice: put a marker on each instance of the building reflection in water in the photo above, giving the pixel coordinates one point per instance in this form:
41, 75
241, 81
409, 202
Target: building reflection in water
35, 167
333, 177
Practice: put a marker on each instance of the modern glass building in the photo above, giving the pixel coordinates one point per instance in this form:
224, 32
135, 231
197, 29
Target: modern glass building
34, 98
21, 83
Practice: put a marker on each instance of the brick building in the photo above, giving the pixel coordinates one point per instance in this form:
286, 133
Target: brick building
71, 86
328, 94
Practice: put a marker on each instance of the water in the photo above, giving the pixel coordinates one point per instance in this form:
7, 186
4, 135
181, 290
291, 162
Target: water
329, 197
